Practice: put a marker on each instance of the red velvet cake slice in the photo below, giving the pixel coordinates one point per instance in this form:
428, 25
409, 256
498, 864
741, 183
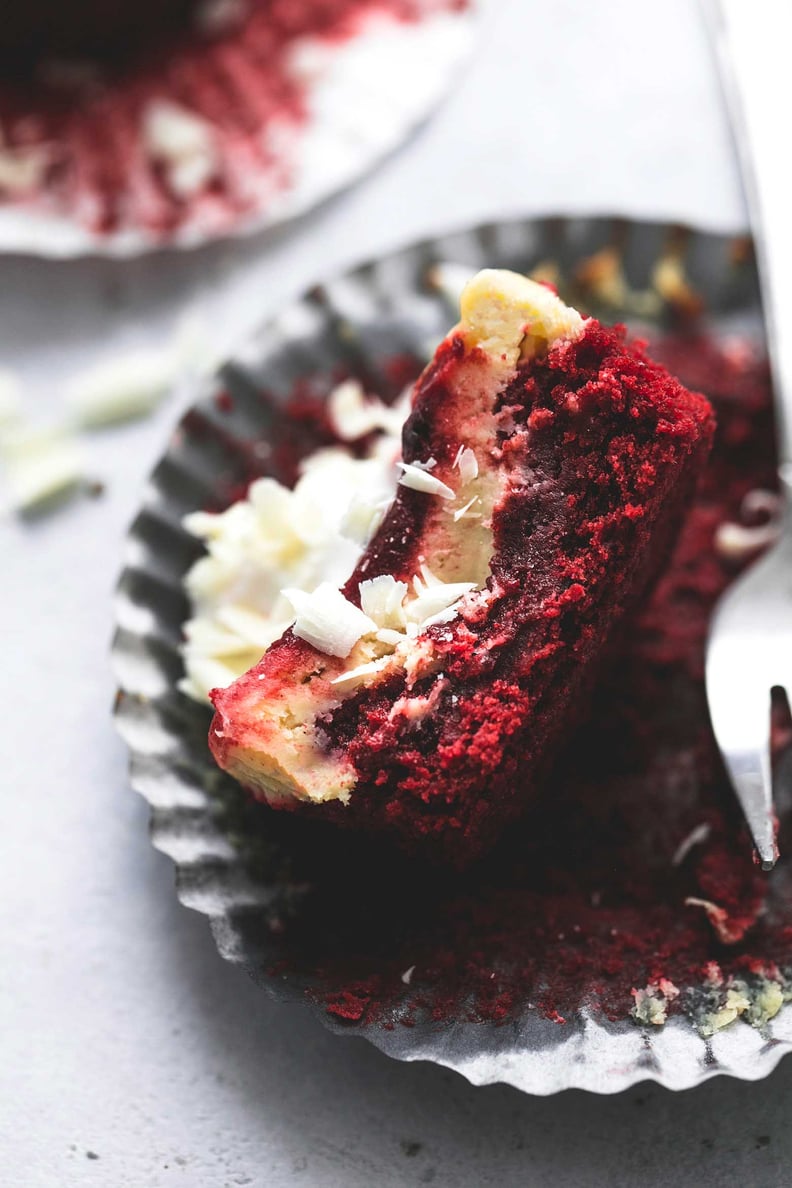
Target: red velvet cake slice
546, 466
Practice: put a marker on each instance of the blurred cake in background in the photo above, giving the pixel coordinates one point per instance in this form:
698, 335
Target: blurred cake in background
127, 125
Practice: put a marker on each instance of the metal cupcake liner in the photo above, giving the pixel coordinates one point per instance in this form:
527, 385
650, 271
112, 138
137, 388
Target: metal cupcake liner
381, 310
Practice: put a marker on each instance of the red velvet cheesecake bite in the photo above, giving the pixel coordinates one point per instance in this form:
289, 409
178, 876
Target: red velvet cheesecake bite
546, 466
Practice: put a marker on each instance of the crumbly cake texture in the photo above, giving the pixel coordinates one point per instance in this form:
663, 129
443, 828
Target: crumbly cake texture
586, 454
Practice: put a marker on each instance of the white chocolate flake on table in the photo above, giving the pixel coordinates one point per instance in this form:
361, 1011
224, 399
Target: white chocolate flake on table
122, 388
21, 439
42, 465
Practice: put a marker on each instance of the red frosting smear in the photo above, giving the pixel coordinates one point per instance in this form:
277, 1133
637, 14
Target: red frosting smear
86, 119
586, 898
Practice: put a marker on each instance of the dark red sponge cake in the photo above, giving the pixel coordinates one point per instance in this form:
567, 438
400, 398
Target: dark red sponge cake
546, 467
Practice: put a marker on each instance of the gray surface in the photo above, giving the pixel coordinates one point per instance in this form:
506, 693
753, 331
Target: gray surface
122, 1033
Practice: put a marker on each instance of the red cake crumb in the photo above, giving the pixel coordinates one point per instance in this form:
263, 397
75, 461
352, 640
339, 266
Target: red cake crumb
582, 902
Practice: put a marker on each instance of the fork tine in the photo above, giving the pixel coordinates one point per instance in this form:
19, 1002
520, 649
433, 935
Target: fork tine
751, 775
741, 723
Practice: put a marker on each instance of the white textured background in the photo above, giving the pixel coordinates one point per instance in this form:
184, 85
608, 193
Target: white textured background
122, 1033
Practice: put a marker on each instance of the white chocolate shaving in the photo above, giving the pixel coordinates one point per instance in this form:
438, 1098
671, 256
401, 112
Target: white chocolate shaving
435, 601
381, 599
353, 415
327, 620
417, 478
466, 512
248, 625
363, 518
390, 636
356, 676
466, 463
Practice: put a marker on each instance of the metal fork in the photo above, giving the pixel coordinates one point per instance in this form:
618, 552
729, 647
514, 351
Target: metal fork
749, 651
